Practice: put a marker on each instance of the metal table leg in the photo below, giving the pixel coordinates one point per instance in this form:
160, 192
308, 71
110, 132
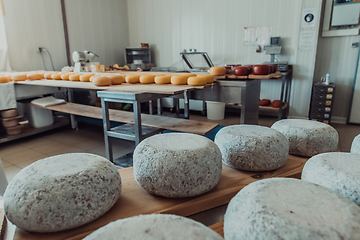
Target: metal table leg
137, 122
151, 107
73, 121
106, 125
176, 105
159, 106
250, 104
186, 104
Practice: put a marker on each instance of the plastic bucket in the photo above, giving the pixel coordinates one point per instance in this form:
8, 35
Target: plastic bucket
215, 110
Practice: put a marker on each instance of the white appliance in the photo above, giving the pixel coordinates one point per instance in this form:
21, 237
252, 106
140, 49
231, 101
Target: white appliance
83, 60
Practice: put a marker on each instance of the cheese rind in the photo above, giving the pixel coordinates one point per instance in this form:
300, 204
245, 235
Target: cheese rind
18, 77
101, 81
132, 78
56, 76
147, 79
179, 80
285, 208
35, 76
163, 79
79, 188
217, 71
209, 78
155, 227
116, 79
196, 81
74, 77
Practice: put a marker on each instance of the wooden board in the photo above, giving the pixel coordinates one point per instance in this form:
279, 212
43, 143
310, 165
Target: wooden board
135, 201
176, 124
126, 87
218, 227
270, 76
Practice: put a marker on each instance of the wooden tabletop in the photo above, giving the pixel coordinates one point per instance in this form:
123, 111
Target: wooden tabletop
135, 201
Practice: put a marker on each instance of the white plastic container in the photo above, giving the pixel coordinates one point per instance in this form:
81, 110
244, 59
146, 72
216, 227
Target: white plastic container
39, 117
215, 110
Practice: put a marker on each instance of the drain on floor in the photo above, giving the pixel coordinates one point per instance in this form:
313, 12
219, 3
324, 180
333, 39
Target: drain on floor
124, 161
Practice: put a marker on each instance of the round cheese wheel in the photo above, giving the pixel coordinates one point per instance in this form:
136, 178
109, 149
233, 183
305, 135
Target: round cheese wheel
163, 79
209, 78
116, 79
79, 188
74, 77
4, 79
35, 76
92, 77
48, 75
218, 71
18, 77
146, 79
179, 79
188, 74
196, 81
355, 145
86, 77
56, 76
101, 81
65, 76
9, 113
287, 208
132, 78
338, 171
155, 227
178, 164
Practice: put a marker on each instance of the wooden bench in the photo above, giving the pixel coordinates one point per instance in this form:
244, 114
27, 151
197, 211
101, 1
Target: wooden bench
176, 124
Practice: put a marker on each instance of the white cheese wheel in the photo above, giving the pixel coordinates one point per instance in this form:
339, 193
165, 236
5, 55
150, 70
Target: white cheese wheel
285, 208
101, 81
337, 171
179, 79
132, 78
155, 227
177, 165
62, 192
86, 77
116, 79
163, 79
217, 71
146, 79
18, 77
355, 145
74, 77
252, 147
35, 76
196, 81
56, 76
307, 137
209, 78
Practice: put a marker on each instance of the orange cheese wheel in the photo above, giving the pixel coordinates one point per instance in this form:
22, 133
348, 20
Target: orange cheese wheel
217, 71
116, 79
209, 78
179, 79
163, 79
75, 77
35, 76
65, 76
101, 81
86, 77
196, 81
132, 78
18, 77
48, 75
146, 79
4, 79
56, 76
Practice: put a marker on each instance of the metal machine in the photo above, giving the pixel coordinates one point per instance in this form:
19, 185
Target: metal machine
273, 49
197, 61
138, 58
83, 60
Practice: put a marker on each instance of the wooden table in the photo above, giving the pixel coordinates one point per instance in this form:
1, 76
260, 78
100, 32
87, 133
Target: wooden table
135, 201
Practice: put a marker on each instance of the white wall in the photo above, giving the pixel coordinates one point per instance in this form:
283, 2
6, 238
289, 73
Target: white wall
217, 27
98, 26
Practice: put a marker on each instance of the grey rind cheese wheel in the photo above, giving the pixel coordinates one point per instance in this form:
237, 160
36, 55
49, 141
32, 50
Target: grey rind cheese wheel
308, 138
177, 165
284, 208
154, 227
355, 146
62, 192
252, 148
337, 171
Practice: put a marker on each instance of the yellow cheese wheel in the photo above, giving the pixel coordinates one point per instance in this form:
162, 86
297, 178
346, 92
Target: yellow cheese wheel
196, 81
48, 75
18, 77
75, 77
116, 79
132, 78
217, 71
146, 79
209, 78
92, 77
101, 81
179, 79
163, 79
65, 76
188, 74
86, 77
4, 79
56, 76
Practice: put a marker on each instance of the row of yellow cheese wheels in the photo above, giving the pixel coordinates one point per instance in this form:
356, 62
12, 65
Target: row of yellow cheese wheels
107, 80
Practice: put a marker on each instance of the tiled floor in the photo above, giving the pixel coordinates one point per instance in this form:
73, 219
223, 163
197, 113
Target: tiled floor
19, 154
